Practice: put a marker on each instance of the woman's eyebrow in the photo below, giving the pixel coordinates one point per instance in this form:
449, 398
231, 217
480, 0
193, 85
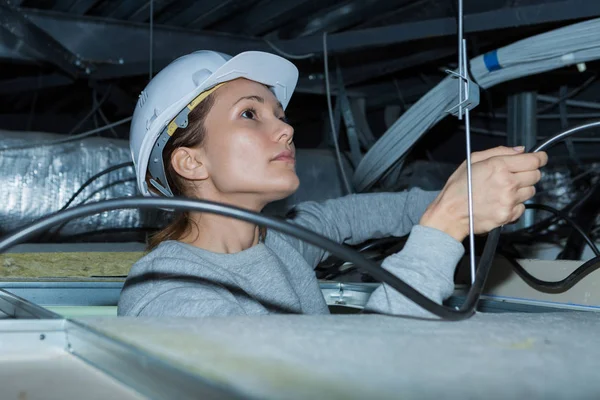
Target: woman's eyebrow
257, 98
253, 97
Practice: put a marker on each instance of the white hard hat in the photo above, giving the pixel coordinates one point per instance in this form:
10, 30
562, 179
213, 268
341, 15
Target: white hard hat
163, 102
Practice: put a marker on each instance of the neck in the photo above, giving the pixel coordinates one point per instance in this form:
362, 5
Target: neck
221, 234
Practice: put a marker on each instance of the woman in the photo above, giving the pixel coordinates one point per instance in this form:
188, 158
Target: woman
213, 127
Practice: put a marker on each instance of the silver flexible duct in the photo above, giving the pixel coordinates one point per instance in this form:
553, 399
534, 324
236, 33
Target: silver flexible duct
40, 180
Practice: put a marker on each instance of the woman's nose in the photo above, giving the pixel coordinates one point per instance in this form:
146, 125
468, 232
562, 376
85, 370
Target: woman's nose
286, 132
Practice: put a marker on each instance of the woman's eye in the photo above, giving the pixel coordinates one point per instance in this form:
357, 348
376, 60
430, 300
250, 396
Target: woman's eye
249, 114
284, 119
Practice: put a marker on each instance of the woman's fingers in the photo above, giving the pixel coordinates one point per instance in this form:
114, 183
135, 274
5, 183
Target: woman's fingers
525, 162
499, 151
527, 178
517, 212
524, 194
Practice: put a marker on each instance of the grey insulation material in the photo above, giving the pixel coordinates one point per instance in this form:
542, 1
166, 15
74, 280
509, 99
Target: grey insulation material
38, 181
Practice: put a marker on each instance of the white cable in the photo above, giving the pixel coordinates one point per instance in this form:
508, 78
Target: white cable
569, 45
69, 138
494, 133
288, 55
330, 110
92, 112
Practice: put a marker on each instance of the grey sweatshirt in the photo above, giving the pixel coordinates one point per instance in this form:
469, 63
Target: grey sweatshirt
277, 276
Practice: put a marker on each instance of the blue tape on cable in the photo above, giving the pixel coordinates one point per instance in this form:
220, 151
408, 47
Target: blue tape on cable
491, 61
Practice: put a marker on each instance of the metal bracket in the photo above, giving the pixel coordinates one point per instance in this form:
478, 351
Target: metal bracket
469, 96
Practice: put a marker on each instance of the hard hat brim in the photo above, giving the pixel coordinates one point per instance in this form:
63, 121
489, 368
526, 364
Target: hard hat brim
269, 69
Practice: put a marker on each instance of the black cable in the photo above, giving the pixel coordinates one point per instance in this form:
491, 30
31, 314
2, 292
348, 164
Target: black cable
54, 235
557, 286
93, 178
377, 243
585, 217
540, 226
567, 96
570, 221
345, 252
331, 268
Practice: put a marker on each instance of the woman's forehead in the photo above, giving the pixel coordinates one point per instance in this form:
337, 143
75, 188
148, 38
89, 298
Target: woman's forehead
234, 90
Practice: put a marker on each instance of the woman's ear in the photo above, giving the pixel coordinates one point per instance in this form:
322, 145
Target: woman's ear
187, 162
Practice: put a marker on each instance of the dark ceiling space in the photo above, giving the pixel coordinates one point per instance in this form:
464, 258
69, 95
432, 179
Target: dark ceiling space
60, 59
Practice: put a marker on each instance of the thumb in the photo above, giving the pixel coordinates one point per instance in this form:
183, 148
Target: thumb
496, 152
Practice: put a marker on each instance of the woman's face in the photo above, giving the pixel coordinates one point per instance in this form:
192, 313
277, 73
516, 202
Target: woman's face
248, 148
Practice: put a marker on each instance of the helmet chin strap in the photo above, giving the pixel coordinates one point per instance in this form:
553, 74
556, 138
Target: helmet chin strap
164, 191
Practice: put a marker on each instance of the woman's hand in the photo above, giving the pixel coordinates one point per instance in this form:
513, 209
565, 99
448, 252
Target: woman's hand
503, 179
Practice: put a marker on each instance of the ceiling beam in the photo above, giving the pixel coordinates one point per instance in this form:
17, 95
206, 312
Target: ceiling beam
122, 48
142, 14
199, 15
270, 14
81, 7
486, 21
364, 72
345, 16
21, 35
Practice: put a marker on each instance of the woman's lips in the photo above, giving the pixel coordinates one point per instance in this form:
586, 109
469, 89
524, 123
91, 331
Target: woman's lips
286, 156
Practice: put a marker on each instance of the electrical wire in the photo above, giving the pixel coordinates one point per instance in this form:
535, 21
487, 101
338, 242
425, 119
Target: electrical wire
495, 133
573, 179
573, 103
565, 134
569, 220
288, 55
564, 122
558, 286
102, 116
330, 110
341, 251
72, 138
92, 112
93, 179
330, 267
546, 223
566, 96
52, 236
583, 270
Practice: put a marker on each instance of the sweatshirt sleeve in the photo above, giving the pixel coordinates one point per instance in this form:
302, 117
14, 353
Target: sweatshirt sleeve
356, 218
427, 263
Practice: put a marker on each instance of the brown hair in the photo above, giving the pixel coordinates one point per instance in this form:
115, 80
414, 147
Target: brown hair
191, 136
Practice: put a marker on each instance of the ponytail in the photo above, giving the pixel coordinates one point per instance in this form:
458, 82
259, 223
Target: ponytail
173, 231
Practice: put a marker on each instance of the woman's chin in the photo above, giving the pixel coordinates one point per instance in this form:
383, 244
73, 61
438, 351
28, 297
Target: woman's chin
285, 187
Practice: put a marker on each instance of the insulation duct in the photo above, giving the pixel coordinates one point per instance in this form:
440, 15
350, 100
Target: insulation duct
38, 181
